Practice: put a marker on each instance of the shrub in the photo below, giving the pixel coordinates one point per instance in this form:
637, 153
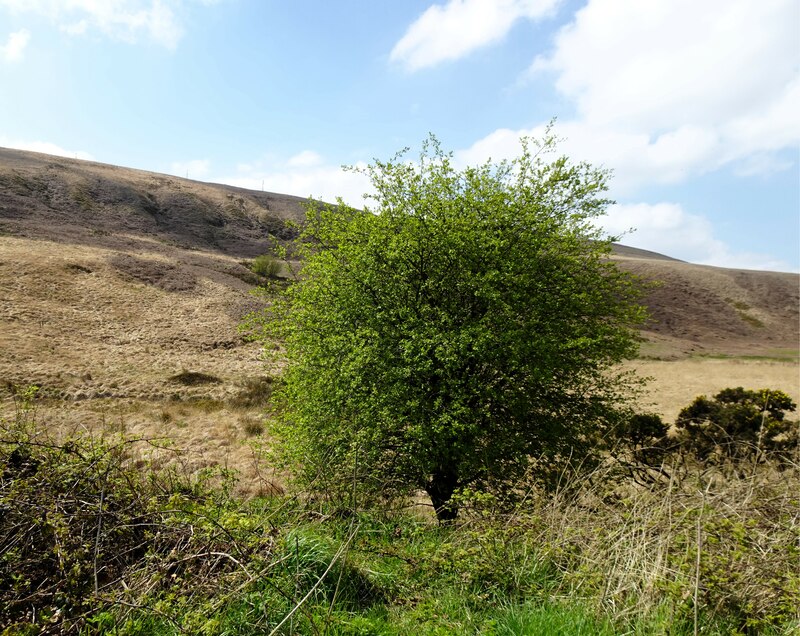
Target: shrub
255, 393
266, 266
88, 534
252, 426
641, 444
73, 517
739, 424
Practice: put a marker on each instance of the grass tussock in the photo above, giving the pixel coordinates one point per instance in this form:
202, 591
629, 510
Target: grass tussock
266, 266
750, 320
194, 378
254, 393
252, 425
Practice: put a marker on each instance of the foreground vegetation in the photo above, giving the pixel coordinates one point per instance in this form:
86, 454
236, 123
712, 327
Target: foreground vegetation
92, 540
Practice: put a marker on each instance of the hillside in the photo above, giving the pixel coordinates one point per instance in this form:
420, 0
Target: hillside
113, 282
717, 311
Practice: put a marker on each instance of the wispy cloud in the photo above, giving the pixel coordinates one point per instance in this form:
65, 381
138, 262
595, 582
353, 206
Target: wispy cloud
305, 174
305, 159
125, 20
13, 49
449, 32
45, 147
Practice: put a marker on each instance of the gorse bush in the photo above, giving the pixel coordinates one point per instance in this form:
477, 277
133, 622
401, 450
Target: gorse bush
731, 433
739, 424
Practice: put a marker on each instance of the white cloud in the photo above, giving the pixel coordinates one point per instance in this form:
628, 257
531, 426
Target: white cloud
680, 87
121, 19
305, 159
305, 174
668, 229
15, 45
194, 169
45, 147
663, 63
772, 128
449, 32
666, 90
637, 158
760, 164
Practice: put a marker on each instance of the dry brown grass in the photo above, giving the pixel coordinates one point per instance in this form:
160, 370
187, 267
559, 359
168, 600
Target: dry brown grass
676, 383
721, 545
111, 350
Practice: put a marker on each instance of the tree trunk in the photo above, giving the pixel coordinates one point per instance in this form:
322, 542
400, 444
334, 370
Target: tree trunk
440, 489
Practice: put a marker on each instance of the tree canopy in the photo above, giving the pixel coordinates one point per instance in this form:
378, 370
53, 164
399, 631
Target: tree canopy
461, 332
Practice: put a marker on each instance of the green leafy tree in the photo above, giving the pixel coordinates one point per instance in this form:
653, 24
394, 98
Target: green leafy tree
459, 333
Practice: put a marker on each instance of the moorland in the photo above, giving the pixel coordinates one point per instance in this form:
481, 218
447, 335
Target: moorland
121, 296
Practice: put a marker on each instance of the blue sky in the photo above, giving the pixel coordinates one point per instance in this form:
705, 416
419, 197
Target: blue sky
694, 105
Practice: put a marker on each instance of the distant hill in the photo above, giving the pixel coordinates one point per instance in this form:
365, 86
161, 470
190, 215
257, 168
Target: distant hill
72, 201
634, 252
713, 310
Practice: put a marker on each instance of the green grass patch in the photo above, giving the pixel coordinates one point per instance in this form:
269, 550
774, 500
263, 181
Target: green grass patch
266, 266
738, 304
